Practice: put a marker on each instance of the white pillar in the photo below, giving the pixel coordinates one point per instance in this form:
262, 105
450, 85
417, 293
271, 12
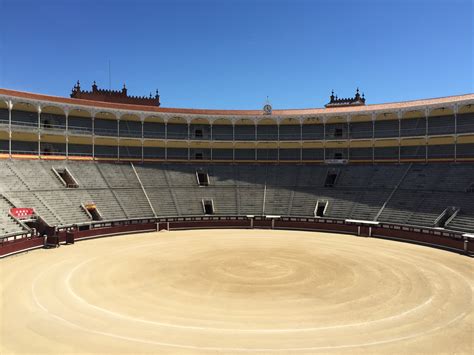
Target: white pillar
189, 137
349, 137
118, 139
374, 116
426, 136
93, 137
455, 110
255, 142
211, 142
233, 142
278, 142
166, 141
67, 134
301, 142
143, 140
10, 107
39, 131
324, 140
400, 114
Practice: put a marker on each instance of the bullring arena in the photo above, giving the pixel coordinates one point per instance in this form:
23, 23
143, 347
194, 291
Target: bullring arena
238, 291
126, 227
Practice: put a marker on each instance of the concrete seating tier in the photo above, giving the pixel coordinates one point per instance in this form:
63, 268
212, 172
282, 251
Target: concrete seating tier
407, 194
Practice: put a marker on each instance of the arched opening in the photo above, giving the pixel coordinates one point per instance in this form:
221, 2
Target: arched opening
441, 121
105, 124
79, 122
386, 125
290, 129
313, 129
177, 128
200, 129
222, 129
244, 130
130, 126
154, 127
336, 128
267, 130
53, 118
413, 123
465, 119
360, 127
25, 115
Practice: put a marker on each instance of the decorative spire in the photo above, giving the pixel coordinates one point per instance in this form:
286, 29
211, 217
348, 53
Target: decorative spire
157, 94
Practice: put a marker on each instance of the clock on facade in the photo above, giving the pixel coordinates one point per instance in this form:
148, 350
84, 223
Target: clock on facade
267, 109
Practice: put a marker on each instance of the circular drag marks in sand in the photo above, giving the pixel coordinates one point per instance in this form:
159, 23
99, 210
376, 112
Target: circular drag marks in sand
237, 291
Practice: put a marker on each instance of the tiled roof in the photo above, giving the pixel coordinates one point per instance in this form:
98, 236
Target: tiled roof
448, 100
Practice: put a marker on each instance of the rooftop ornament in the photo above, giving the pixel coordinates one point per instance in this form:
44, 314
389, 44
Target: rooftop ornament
118, 96
357, 100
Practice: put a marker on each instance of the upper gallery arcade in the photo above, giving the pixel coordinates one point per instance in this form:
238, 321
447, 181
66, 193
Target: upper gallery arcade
137, 128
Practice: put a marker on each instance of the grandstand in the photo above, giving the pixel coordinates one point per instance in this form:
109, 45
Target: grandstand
83, 164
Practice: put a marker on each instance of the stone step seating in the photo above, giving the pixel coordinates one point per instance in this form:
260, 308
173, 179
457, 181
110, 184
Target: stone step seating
283, 175
190, 200
368, 204
66, 205
463, 222
181, 175
119, 175
341, 202
107, 204
28, 199
7, 224
151, 175
134, 202
35, 175
430, 206
224, 198
304, 203
222, 175
250, 175
309, 175
162, 201
400, 207
86, 174
250, 200
277, 201
9, 180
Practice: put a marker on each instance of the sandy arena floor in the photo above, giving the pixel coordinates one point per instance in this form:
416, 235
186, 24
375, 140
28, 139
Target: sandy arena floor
235, 291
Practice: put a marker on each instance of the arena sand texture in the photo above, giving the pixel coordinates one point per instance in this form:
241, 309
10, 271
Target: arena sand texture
237, 291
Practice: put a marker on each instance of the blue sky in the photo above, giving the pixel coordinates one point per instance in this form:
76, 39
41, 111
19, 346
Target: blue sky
233, 54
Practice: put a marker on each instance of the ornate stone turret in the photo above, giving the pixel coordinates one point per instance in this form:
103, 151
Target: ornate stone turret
119, 96
357, 100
